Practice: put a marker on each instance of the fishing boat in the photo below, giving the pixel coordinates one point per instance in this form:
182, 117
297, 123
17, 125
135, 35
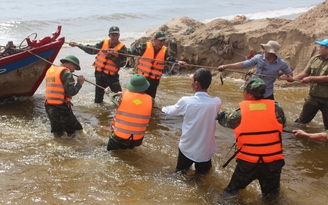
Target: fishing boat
22, 68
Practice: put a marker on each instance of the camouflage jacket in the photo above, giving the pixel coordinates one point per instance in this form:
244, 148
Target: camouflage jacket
70, 87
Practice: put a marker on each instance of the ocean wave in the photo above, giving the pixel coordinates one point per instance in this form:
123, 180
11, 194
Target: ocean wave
267, 14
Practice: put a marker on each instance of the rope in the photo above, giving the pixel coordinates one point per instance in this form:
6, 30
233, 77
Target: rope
288, 131
56, 65
190, 65
125, 54
240, 54
246, 73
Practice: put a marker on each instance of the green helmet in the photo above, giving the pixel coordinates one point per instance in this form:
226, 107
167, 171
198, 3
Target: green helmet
72, 59
114, 29
138, 83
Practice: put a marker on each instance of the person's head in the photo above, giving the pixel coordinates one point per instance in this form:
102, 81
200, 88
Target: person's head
138, 83
323, 49
271, 49
254, 88
114, 34
201, 80
159, 39
71, 62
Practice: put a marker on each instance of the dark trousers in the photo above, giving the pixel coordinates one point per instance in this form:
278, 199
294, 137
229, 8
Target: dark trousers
105, 80
310, 109
268, 175
152, 90
185, 163
115, 142
62, 119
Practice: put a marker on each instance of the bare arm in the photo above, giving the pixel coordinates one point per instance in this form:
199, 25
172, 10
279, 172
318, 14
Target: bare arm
300, 76
316, 79
232, 66
288, 77
320, 137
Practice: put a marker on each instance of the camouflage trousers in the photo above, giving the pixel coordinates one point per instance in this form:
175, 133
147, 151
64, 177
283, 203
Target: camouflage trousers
62, 120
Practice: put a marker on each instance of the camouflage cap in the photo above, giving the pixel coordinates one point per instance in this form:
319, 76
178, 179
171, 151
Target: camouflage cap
160, 35
114, 29
255, 86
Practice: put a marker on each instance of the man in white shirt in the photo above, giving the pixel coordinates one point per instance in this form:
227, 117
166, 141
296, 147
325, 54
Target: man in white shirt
197, 143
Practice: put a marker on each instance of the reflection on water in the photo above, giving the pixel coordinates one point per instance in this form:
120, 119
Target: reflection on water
35, 167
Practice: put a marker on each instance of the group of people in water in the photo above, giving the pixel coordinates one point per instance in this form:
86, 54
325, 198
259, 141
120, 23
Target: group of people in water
258, 148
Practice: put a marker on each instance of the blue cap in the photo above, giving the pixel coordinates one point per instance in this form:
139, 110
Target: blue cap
323, 43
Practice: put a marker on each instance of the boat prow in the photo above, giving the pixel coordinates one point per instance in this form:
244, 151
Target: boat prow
22, 70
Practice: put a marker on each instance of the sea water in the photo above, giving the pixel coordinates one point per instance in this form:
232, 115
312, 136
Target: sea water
88, 21
35, 168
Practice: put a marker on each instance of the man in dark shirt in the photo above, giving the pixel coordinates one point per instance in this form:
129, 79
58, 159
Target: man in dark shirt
316, 74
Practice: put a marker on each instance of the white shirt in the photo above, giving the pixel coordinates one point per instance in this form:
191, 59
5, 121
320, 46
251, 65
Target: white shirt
197, 141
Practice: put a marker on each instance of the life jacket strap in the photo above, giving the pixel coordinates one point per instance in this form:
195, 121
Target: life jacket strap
233, 156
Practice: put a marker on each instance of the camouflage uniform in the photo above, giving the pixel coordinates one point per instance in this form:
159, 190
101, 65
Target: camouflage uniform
103, 79
61, 117
317, 98
245, 172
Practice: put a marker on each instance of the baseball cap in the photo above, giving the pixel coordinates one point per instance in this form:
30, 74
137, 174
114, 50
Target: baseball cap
272, 47
323, 43
114, 29
255, 86
160, 35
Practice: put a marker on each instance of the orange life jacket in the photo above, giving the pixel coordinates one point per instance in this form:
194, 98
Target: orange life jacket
149, 67
55, 92
103, 63
259, 134
132, 115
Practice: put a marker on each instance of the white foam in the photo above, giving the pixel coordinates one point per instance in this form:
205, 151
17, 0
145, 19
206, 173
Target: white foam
267, 14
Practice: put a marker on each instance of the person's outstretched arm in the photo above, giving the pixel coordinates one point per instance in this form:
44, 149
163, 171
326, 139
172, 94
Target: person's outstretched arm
320, 137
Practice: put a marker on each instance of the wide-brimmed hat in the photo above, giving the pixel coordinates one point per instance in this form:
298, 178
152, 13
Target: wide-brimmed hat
323, 43
160, 35
114, 29
72, 59
138, 83
255, 86
272, 47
